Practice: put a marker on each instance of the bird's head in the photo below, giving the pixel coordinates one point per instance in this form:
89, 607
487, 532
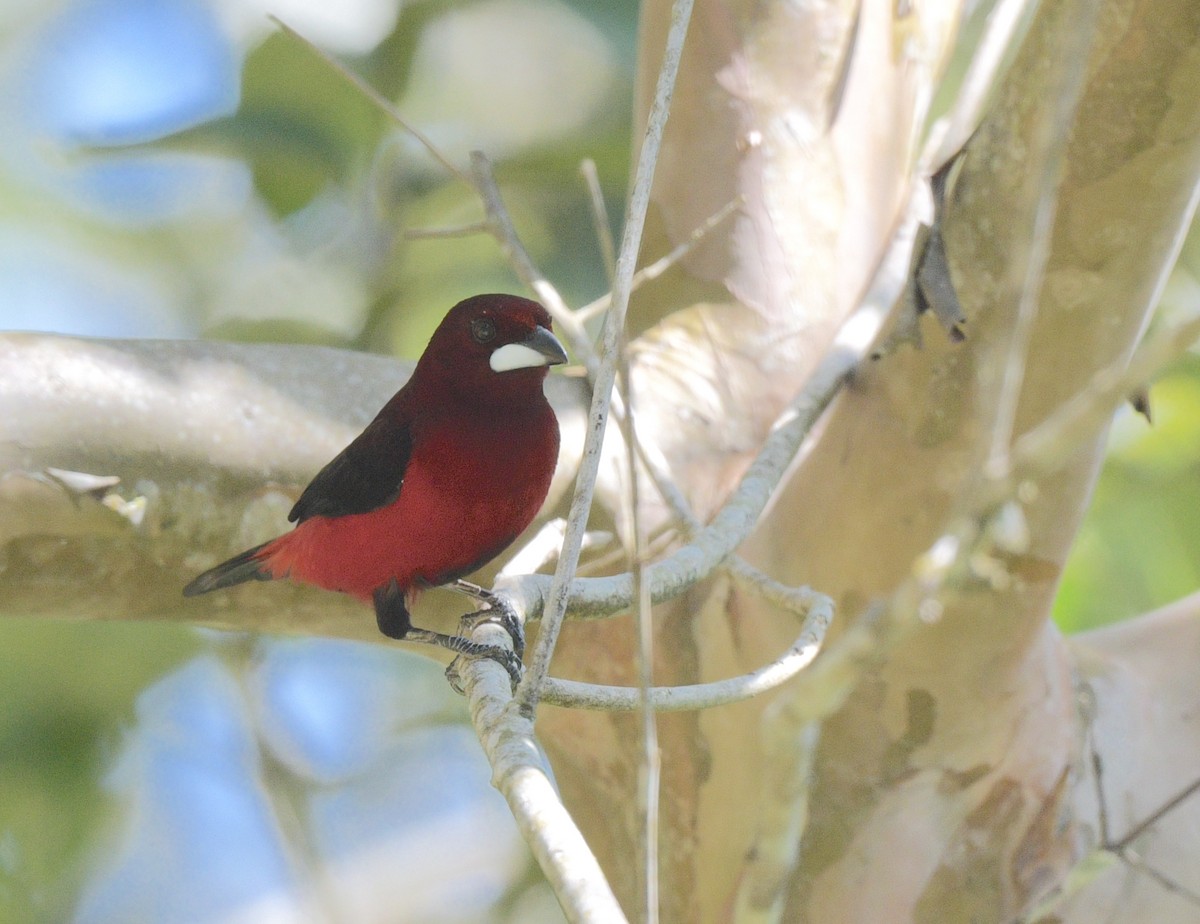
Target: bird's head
493, 344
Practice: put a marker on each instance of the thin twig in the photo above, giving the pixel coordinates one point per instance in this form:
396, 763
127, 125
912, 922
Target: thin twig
798, 601
1047, 446
1108, 852
702, 695
542, 548
1098, 785
501, 225
600, 220
376, 99
602, 564
1005, 26
498, 222
661, 265
1154, 817
1139, 865
561, 585
795, 600
592, 598
470, 228
650, 771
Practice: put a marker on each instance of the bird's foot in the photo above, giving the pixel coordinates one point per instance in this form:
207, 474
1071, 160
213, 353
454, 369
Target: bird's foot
503, 657
499, 611
391, 613
465, 648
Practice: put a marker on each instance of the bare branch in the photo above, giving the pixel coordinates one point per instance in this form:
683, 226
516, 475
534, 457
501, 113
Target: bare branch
1154, 817
602, 564
376, 99
795, 600
661, 265
703, 695
1108, 852
1045, 448
798, 601
651, 760
467, 230
520, 773
600, 597
501, 225
498, 222
1175, 888
600, 220
1006, 24
543, 548
561, 585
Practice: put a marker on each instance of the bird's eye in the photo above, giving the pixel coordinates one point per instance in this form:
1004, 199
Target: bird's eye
483, 330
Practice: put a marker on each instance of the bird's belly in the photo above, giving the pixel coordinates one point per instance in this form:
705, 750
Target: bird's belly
444, 524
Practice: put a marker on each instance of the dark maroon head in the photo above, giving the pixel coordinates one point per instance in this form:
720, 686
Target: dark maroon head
498, 345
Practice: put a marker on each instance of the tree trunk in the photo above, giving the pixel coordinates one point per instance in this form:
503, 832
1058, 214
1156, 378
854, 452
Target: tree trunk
953, 783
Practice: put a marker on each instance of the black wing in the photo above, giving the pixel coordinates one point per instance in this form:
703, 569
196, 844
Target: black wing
365, 476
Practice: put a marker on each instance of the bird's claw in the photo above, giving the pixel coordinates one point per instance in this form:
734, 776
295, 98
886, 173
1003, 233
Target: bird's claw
504, 657
502, 613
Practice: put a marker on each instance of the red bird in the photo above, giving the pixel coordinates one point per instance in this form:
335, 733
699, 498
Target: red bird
448, 474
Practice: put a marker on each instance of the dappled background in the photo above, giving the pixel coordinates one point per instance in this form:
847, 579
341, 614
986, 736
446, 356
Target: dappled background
182, 169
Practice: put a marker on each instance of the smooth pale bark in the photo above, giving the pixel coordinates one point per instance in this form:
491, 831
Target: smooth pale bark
1140, 685
953, 783
759, 86
214, 442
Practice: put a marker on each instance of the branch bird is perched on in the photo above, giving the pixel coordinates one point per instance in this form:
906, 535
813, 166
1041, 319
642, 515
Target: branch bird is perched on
445, 477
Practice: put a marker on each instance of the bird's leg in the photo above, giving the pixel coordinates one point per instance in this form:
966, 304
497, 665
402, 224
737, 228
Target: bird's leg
495, 609
391, 612
394, 621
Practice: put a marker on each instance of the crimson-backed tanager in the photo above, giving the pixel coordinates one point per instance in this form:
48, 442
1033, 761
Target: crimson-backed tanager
446, 476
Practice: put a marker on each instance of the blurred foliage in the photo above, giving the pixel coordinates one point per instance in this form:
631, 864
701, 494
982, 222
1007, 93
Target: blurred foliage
142, 778
1138, 546
299, 130
66, 689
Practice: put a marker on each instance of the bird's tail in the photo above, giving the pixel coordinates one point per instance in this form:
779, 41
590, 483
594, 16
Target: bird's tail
248, 566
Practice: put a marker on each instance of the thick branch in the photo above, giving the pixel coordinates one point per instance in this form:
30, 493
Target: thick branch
520, 773
210, 443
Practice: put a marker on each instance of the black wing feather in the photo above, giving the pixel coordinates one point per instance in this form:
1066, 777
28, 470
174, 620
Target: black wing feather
365, 476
